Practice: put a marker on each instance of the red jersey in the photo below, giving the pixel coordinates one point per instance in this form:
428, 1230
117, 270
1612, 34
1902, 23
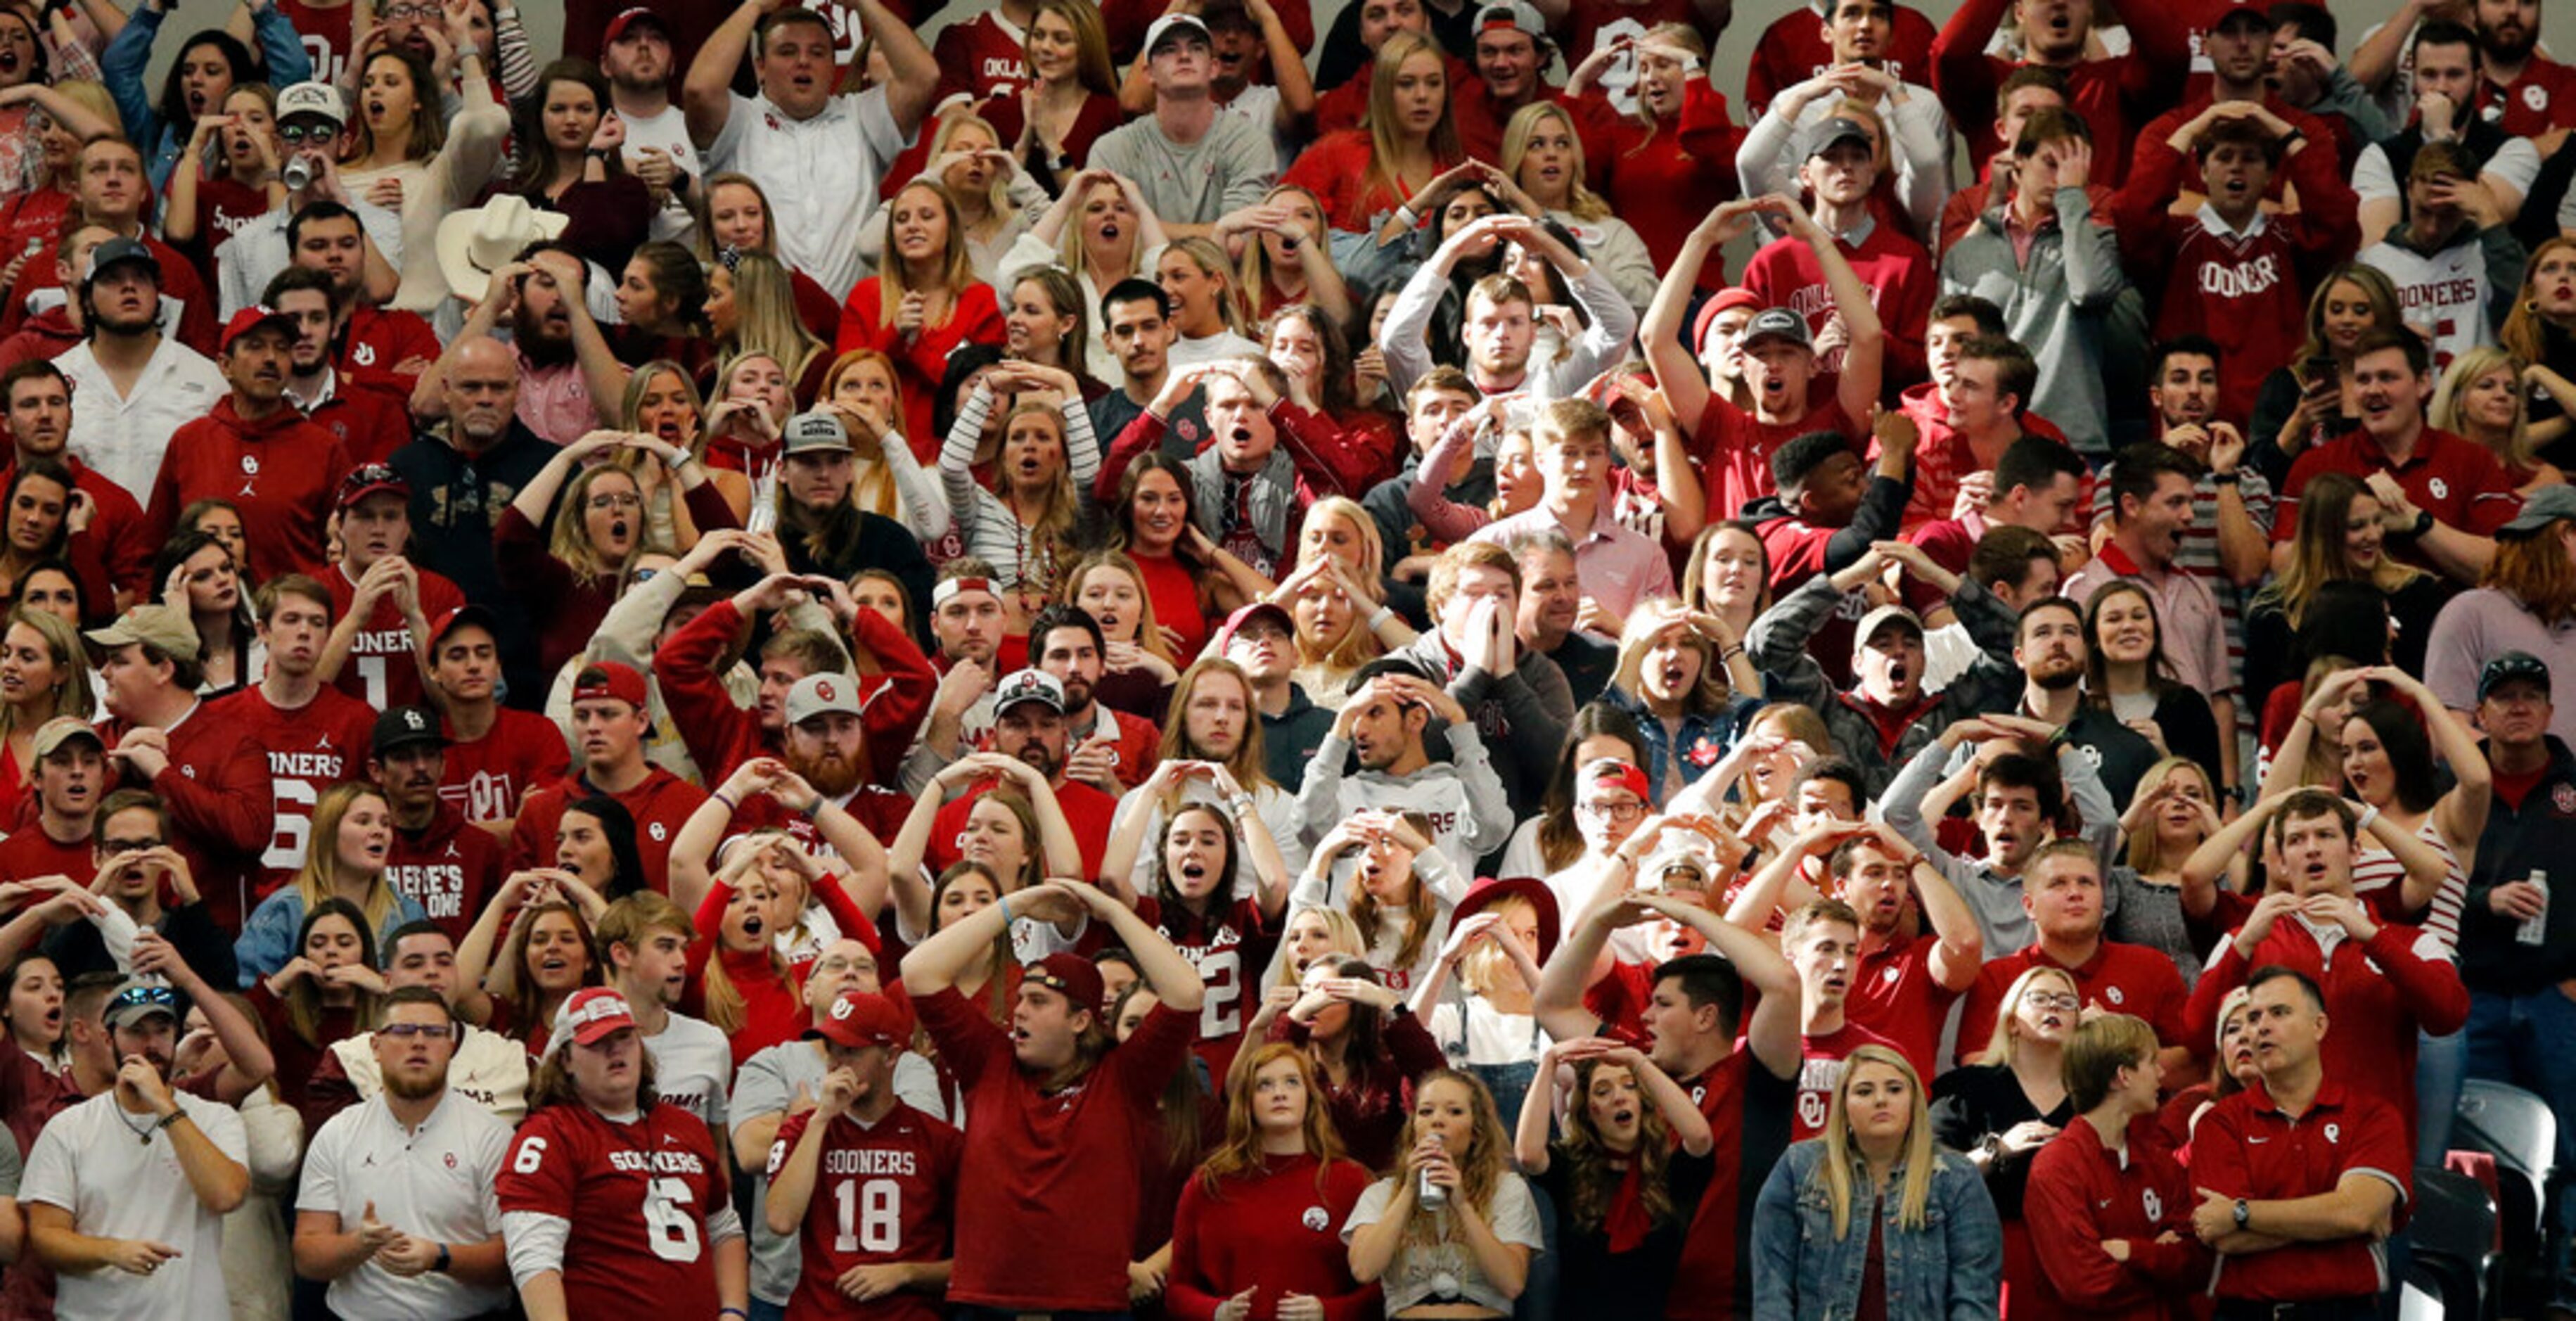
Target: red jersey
884, 1193
2248, 291
309, 749
386, 350
2382, 993
223, 207
489, 777
1821, 1072
216, 792
2114, 94
1793, 49
381, 670
1894, 995
1087, 809
636, 1199
1902, 283
448, 867
1588, 23
1230, 949
982, 58
326, 35
282, 472
661, 805
2457, 481
1055, 1168
2246, 1148
2080, 1195
1734, 448
2138, 980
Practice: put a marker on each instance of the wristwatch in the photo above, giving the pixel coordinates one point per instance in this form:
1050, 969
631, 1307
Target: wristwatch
2225, 478
2423, 523
2244, 1213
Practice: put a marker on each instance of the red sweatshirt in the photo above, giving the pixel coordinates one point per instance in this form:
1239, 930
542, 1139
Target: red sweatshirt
773, 1007
281, 471
660, 805
2248, 292
1263, 1231
2081, 1195
2113, 94
217, 793
721, 736
921, 361
1902, 283
1663, 181
1793, 49
118, 528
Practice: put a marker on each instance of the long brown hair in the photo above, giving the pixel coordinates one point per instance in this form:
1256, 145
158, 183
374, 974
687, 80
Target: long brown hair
1441, 142
1246, 764
518, 989
1368, 914
2525, 333
428, 123
1239, 1156
1481, 1167
2317, 555
303, 1000
550, 1083
956, 261
1596, 1180
2536, 571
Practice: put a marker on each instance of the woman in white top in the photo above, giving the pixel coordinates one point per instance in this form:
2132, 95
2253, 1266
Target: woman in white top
1489, 1027
996, 198
1543, 158
1398, 889
1098, 232
401, 155
1469, 1256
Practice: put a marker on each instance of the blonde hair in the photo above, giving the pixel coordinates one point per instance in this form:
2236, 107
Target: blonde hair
2517, 451
71, 690
1489, 965
1481, 1167
1916, 1192
872, 487
1999, 1043
1442, 141
2317, 554
2145, 856
1371, 570
1149, 634
1580, 202
997, 193
319, 878
1210, 259
1345, 935
1644, 629
956, 262
765, 318
723, 1001
1091, 63
571, 542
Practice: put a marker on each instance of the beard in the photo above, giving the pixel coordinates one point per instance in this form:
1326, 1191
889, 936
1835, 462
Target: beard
403, 1088
831, 774
2057, 676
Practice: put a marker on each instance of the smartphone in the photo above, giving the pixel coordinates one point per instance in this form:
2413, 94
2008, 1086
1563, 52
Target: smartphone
2318, 370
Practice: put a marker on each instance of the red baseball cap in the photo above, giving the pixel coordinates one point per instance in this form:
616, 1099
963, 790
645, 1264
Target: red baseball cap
618, 26
371, 479
1708, 313
1071, 976
859, 1020
612, 681
592, 1012
253, 318
459, 617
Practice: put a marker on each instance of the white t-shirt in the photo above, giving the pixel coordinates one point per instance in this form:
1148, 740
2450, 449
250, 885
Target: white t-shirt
668, 131
693, 1068
440, 1182
97, 1162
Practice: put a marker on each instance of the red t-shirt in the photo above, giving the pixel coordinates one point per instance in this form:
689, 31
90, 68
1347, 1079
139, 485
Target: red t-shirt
381, 671
487, 778
661, 804
1899, 272
2120, 979
223, 206
1822, 1073
2543, 98
1086, 809
1175, 595
448, 869
29, 852
1053, 1168
309, 749
636, 1198
2245, 1147
884, 1193
1894, 994
326, 35
1734, 448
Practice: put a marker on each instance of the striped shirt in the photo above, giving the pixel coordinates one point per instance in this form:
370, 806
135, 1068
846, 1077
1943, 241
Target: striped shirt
986, 524
2375, 869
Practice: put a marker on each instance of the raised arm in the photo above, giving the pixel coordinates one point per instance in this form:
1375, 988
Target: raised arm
706, 94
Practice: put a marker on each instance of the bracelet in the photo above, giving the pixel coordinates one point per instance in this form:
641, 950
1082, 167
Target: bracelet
1732, 651
813, 809
733, 1311
170, 1119
2225, 478
1241, 804
444, 1257
2362, 823
1378, 617
1003, 902
1405, 216
730, 805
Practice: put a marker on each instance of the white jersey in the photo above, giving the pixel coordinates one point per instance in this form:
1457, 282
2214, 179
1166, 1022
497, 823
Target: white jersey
693, 1068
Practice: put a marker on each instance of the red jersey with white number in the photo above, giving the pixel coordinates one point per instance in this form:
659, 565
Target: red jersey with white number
307, 750
636, 1198
380, 670
487, 777
1229, 948
884, 1194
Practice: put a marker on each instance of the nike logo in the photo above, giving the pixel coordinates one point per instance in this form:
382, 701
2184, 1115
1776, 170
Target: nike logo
2258, 1141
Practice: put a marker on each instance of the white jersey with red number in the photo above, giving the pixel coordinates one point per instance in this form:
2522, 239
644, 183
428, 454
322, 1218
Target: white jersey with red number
638, 1206
884, 1193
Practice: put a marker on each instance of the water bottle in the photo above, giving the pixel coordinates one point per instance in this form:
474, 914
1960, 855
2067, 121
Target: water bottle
299, 174
2535, 928
1433, 1196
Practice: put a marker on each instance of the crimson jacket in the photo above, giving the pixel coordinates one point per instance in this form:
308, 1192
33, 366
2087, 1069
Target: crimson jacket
281, 472
721, 735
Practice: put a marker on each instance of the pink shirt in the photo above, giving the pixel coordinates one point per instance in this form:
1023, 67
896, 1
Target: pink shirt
2188, 626
555, 402
1620, 568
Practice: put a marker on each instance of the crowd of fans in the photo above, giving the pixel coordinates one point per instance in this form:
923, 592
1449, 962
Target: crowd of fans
1141, 660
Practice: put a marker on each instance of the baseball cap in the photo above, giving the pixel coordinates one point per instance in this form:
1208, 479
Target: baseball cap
1824, 133
1511, 14
1168, 24
460, 617
1876, 619
1029, 686
2243, 16
312, 99
61, 730
140, 998
1244, 615
165, 629
119, 250
1071, 976
953, 587
614, 681
859, 1020
591, 1013
822, 694
2542, 508
1612, 773
404, 726
369, 479
2510, 667
617, 27
1778, 323
254, 317
817, 432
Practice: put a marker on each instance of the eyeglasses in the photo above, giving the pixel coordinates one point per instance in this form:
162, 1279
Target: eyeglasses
1618, 812
418, 1031
604, 502
297, 134
2064, 1004
408, 13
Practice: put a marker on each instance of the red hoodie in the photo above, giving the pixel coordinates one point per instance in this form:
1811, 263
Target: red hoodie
48, 334
280, 472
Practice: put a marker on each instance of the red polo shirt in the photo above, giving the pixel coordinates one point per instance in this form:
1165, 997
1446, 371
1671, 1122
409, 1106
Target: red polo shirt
2081, 1195
2246, 1148
2122, 979
2457, 480
1895, 995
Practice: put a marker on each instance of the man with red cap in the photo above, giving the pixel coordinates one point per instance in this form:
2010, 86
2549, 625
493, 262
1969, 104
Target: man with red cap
257, 453
212, 781
1063, 1120
495, 754
382, 601
609, 717
861, 1146
615, 1203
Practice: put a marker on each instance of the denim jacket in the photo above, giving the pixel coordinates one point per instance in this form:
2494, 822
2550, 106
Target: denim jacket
1704, 737
1951, 1269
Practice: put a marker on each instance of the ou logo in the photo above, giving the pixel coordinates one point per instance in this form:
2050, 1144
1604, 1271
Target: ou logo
1811, 1109
2441, 489
250, 464
2114, 995
2155, 1206
659, 832
2334, 1132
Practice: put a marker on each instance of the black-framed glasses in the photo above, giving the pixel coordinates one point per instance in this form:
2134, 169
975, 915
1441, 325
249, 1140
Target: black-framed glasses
418, 1031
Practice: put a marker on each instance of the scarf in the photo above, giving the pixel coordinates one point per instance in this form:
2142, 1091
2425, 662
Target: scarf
1627, 1223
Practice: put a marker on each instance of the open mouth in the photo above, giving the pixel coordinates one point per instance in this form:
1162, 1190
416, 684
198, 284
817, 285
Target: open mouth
1622, 1117
1898, 672
754, 925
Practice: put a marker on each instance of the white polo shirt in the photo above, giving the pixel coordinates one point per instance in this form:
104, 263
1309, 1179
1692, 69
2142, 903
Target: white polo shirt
96, 1161
821, 175
123, 437
438, 1182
